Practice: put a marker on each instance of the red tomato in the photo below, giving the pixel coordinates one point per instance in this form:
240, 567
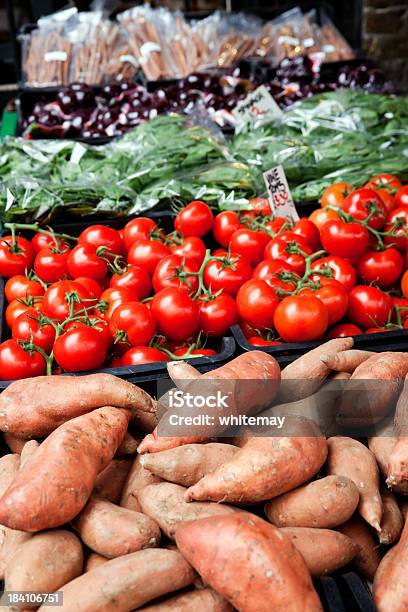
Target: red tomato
404, 284
259, 341
196, 219
383, 268
397, 222
175, 271
247, 329
369, 306
56, 301
102, 236
228, 274
29, 326
225, 224
18, 307
256, 303
342, 270
274, 272
138, 229
333, 296
146, 254
134, 278
177, 315
320, 216
335, 194
307, 230
276, 225
401, 197
250, 244
344, 330
16, 363
139, 355
83, 261
291, 248
42, 241
80, 349
385, 185
400, 305
344, 239
260, 205
96, 323
15, 258
218, 314
21, 287
191, 248
112, 298
360, 203
203, 352
133, 323
50, 265
300, 318
94, 289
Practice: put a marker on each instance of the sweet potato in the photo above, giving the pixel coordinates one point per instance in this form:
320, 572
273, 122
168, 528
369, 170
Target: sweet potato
390, 587
392, 521
368, 558
128, 582
144, 422
112, 531
251, 380
58, 480
305, 375
28, 451
14, 443
94, 560
187, 464
44, 563
403, 506
249, 562
203, 600
324, 550
346, 361
181, 373
164, 502
382, 446
398, 461
360, 405
128, 446
266, 467
9, 466
34, 407
110, 482
322, 503
137, 478
350, 458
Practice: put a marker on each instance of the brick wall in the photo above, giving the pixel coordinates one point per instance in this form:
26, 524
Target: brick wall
385, 36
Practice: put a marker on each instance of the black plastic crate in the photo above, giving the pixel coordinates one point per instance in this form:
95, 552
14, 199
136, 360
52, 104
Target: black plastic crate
286, 352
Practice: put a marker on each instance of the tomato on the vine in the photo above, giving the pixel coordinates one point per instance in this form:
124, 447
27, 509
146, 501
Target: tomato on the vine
19, 306
138, 229
307, 230
336, 194
42, 241
217, 314
134, 278
176, 271
22, 287
261, 206
203, 352
250, 244
397, 224
383, 268
91, 285
369, 306
196, 219
256, 303
227, 273
111, 298
57, 299
138, 355
16, 362
79, 349
50, 265
401, 197
132, 322
96, 323
385, 185
400, 305
146, 254
344, 239
16, 256
404, 284
333, 296
225, 224
259, 341
366, 203
190, 248
277, 273
30, 326
344, 330
102, 236
320, 216
300, 318
84, 261
291, 248
341, 269
177, 315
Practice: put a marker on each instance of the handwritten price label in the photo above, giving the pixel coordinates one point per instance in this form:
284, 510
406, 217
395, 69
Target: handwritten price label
258, 105
279, 195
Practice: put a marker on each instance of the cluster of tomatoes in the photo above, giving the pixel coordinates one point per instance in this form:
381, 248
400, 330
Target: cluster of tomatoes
138, 295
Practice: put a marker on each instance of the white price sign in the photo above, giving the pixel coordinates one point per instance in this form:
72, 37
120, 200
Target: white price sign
279, 195
258, 105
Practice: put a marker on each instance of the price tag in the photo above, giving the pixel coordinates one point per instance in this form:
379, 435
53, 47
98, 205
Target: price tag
279, 195
257, 105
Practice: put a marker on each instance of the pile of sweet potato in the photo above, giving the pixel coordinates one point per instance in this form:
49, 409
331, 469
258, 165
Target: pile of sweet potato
95, 503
